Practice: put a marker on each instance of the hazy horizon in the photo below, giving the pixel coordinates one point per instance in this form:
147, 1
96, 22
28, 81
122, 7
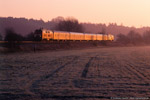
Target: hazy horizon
128, 13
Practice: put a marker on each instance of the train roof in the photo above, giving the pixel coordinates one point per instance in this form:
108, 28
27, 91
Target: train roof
74, 32
61, 31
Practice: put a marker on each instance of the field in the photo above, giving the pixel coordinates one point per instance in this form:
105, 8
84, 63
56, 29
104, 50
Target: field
96, 73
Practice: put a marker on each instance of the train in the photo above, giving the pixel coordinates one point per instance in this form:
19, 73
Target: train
48, 35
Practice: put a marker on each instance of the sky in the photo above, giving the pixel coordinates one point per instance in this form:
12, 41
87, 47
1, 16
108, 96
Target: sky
126, 12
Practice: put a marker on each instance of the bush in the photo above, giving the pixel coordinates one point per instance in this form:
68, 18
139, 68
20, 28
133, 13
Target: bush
0, 37
38, 35
12, 36
13, 39
34, 36
134, 37
30, 37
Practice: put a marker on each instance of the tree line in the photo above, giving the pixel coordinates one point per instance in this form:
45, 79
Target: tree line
69, 25
72, 25
134, 38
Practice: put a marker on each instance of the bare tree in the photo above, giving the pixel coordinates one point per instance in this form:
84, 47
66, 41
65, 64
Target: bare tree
11, 35
103, 31
131, 38
70, 25
146, 37
134, 37
13, 39
122, 38
0, 37
58, 19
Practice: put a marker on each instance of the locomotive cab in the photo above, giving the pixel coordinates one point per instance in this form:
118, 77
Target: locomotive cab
47, 34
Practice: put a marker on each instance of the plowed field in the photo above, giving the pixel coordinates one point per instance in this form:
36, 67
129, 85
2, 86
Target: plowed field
98, 73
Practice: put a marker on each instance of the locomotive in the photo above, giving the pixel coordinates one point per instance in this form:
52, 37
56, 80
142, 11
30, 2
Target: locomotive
48, 35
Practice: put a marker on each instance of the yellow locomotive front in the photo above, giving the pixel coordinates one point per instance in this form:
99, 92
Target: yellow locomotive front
47, 34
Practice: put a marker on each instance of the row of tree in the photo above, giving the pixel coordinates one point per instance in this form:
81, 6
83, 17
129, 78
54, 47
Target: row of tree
69, 24
72, 25
134, 38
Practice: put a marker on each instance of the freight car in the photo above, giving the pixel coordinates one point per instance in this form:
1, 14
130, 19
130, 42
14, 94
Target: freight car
74, 36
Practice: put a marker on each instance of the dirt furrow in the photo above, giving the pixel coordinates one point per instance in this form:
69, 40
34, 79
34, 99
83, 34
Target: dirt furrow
85, 71
34, 86
138, 74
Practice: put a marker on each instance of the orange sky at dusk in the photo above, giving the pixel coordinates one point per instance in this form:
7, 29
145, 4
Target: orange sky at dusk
127, 12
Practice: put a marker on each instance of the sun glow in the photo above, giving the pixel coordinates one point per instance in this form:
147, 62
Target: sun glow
128, 12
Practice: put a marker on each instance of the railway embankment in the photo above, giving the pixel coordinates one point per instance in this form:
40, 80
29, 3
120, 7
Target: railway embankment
29, 46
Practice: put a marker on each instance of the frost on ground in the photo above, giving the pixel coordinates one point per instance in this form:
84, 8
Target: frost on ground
76, 74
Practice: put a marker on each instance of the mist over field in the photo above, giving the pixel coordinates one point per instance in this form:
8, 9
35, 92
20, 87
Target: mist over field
100, 73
